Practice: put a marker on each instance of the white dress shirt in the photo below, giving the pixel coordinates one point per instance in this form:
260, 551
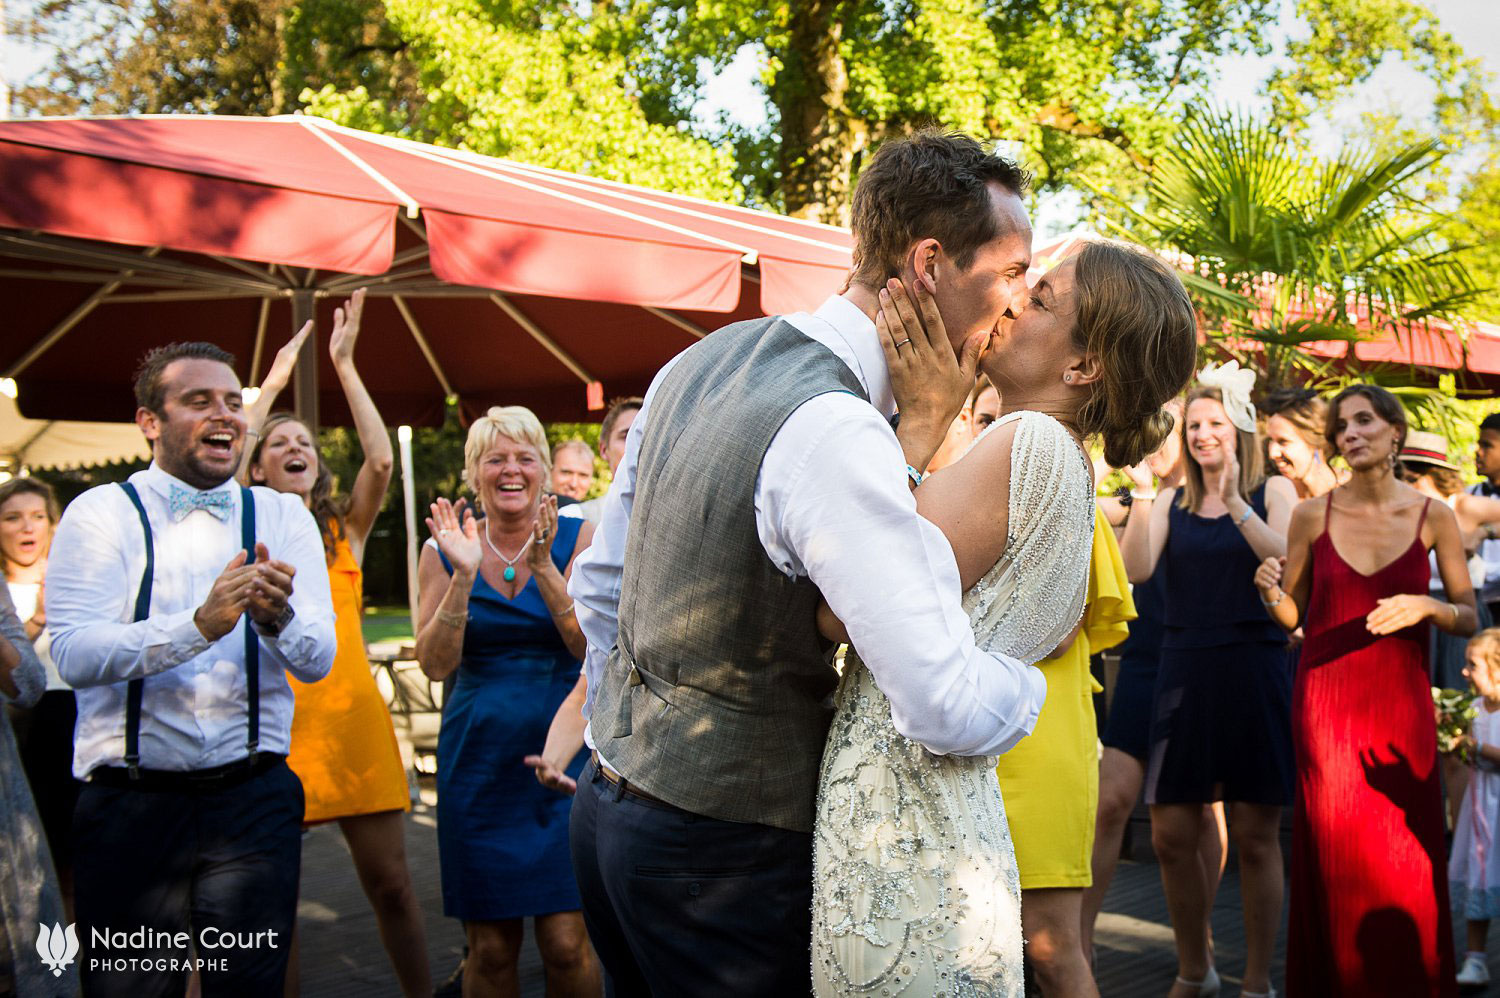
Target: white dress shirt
832, 503
194, 709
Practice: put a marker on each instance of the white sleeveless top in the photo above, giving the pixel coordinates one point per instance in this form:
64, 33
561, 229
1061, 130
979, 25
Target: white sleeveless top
1033, 596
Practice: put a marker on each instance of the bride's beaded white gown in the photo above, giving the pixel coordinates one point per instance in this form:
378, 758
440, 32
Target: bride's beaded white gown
915, 889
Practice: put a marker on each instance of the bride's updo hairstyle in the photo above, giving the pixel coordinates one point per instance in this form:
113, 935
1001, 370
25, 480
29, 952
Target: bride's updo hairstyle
1135, 316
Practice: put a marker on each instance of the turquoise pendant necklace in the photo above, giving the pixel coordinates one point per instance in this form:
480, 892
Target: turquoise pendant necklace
509, 575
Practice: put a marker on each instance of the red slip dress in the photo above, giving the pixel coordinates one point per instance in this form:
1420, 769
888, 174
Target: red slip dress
1369, 888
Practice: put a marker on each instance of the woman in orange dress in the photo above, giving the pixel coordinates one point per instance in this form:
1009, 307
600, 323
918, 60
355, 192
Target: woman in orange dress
343, 743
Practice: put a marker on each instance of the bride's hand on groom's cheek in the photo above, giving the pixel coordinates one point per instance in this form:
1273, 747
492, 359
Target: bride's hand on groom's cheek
929, 383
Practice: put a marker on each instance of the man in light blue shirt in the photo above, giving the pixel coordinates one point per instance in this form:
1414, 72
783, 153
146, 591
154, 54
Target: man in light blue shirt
177, 602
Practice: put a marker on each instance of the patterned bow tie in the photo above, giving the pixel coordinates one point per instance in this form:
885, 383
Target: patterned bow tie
184, 501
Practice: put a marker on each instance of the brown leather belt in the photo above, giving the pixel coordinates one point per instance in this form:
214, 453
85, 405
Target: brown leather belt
625, 785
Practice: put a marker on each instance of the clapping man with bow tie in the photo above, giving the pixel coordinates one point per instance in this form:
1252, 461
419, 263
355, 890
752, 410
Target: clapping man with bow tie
177, 602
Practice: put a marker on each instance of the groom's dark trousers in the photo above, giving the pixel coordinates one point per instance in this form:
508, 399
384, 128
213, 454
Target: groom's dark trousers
679, 904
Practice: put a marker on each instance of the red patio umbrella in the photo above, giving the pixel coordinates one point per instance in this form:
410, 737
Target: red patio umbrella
491, 281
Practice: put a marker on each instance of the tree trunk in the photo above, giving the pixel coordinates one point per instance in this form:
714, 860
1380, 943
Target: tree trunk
819, 136
278, 72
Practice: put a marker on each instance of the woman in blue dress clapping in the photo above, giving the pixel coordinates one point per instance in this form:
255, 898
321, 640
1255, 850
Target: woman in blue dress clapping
494, 606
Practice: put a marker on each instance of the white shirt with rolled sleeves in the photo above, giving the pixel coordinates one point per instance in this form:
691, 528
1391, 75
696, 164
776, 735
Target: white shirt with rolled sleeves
832, 503
194, 709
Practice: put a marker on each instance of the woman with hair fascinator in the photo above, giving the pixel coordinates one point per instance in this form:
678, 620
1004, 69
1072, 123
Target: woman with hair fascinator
1221, 728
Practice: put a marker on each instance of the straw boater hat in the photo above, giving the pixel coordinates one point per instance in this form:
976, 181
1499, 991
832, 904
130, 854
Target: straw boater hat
1424, 447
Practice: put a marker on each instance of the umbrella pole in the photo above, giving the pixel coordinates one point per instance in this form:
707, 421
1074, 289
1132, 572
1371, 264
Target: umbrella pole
305, 379
409, 502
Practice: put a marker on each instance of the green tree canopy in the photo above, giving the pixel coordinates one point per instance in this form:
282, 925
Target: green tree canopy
525, 82
1089, 89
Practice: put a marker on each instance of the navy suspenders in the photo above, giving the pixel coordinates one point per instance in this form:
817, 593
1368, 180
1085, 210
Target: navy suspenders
136, 687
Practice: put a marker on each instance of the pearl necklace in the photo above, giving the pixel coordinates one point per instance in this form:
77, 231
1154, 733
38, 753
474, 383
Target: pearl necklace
509, 575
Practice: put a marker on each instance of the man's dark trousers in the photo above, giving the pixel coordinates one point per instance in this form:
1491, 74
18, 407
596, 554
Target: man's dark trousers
680, 904
205, 863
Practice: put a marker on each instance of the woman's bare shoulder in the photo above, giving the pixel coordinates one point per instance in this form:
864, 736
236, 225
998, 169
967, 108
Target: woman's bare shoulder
996, 441
1309, 510
1281, 487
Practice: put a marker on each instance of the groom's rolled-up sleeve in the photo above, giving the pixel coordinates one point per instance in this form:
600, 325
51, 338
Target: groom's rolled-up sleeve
599, 570
833, 503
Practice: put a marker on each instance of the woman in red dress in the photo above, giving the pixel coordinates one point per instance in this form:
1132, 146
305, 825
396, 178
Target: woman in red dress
1369, 905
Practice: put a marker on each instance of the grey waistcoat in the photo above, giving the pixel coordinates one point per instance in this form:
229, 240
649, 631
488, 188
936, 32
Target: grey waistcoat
714, 698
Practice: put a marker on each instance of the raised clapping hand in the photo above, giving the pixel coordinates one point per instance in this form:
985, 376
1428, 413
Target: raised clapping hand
1396, 613
285, 362
1141, 477
262, 589
1229, 481
346, 329
539, 555
1268, 575
38, 618
929, 383
457, 534
272, 588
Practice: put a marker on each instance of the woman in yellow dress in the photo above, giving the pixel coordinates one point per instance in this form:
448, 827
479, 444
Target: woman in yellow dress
343, 743
1050, 782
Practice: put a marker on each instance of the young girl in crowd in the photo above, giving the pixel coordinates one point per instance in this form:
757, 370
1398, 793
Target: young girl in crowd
1474, 866
29, 512
343, 743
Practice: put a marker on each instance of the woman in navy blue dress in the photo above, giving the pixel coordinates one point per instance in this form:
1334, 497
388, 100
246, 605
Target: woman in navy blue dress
1127, 730
1221, 716
495, 608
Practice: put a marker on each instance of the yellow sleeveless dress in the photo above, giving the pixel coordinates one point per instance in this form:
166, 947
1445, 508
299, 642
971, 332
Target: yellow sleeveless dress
343, 743
1050, 781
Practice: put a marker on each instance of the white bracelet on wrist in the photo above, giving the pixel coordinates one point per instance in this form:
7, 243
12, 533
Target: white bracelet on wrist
1136, 495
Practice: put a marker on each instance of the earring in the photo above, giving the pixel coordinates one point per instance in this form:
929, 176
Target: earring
1068, 378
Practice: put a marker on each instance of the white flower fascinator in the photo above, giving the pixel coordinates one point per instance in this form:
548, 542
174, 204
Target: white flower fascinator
1235, 384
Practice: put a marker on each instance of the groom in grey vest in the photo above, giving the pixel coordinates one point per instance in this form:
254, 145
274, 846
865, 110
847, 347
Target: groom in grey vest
761, 473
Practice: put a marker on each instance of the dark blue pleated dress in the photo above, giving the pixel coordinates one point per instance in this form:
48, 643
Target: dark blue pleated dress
1221, 725
503, 837
1128, 726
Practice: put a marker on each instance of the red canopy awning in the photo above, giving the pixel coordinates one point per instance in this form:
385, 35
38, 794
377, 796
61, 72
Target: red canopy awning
507, 282
304, 192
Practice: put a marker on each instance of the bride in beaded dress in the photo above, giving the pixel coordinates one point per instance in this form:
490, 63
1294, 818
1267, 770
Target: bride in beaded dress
915, 887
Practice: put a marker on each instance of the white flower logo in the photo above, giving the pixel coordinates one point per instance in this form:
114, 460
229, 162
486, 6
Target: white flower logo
56, 946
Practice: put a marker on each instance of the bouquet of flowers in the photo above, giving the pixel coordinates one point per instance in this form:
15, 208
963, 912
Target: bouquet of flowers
1455, 714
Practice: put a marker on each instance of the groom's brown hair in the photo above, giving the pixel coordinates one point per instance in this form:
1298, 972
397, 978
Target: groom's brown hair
934, 184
